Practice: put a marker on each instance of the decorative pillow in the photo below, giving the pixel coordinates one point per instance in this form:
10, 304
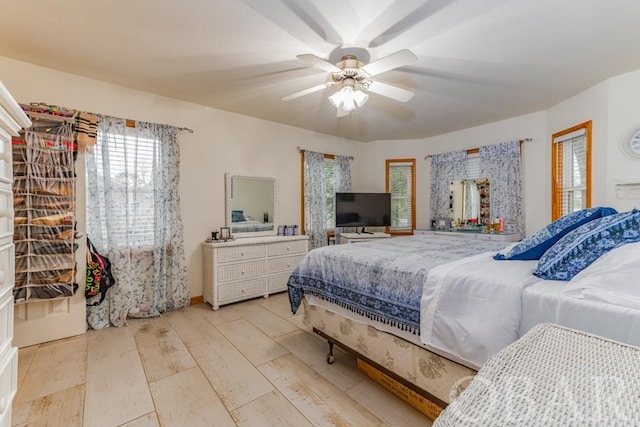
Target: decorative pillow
237, 216
536, 244
578, 249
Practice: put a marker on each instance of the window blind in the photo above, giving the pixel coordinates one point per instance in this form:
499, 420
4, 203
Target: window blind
126, 165
400, 187
472, 165
571, 172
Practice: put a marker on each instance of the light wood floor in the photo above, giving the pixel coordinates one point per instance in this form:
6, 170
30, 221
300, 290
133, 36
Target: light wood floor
248, 364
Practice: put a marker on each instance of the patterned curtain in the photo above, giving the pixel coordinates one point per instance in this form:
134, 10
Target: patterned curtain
315, 199
500, 163
342, 174
133, 217
343, 183
445, 167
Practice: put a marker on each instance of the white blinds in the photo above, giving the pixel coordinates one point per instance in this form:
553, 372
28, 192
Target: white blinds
400, 187
472, 165
571, 172
127, 163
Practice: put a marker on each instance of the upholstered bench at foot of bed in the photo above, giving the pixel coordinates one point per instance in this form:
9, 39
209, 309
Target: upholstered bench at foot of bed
552, 376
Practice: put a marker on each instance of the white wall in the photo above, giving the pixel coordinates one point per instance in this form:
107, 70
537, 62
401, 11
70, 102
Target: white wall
536, 175
623, 117
590, 104
221, 142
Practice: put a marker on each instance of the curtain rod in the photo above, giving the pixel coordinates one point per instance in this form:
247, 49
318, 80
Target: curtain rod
64, 117
521, 141
49, 117
301, 150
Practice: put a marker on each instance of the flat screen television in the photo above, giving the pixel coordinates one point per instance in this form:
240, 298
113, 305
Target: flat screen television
363, 210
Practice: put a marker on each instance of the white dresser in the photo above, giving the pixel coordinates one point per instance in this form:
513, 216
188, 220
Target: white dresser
12, 119
249, 267
498, 237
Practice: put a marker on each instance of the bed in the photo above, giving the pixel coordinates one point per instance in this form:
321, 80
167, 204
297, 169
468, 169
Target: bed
603, 300
250, 226
243, 223
367, 297
467, 307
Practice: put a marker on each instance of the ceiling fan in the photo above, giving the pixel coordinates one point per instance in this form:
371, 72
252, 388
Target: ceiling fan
353, 75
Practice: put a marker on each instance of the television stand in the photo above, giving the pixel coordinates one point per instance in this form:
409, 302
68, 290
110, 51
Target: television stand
360, 237
365, 232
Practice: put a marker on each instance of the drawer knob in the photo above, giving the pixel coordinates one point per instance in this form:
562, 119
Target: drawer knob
288, 248
242, 272
288, 265
2, 277
241, 253
242, 291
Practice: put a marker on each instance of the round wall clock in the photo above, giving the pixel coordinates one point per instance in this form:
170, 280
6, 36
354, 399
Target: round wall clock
630, 144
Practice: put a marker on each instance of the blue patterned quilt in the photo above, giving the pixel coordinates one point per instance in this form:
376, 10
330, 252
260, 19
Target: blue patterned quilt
380, 279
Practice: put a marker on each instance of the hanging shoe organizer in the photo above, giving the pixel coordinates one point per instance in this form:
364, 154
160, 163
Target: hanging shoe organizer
44, 187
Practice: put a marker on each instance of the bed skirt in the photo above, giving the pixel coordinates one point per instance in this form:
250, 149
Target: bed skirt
431, 375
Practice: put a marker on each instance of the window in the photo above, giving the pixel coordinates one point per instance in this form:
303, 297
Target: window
330, 185
125, 164
401, 183
571, 170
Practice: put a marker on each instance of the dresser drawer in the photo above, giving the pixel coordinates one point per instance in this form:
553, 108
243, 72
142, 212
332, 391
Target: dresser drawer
290, 247
288, 263
278, 282
242, 290
6, 319
8, 379
6, 170
6, 213
244, 270
7, 257
238, 253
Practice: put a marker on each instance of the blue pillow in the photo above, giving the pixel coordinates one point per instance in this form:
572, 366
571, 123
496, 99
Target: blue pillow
536, 244
237, 216
578, 249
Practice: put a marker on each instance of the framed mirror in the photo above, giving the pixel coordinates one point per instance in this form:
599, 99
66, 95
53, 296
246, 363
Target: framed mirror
251, 205
471, 202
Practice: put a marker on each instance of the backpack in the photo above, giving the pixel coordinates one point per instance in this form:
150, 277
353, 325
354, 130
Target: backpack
99, 277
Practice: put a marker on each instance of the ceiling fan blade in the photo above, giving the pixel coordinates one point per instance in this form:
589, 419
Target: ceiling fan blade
320, 63
395, 60
307, 91
393, 92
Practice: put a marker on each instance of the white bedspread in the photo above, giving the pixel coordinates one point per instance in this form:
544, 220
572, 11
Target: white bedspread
603, 299
470, 311
613, 278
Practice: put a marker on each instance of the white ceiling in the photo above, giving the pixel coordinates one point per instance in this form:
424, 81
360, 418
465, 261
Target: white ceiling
478, 60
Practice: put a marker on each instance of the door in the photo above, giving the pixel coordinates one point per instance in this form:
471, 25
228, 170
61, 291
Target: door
47, 320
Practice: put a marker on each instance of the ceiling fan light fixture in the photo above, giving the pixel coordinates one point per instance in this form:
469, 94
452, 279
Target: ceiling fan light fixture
347, 100
360, 97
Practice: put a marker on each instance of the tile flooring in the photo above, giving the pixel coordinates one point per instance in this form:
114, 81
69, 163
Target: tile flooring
247, 364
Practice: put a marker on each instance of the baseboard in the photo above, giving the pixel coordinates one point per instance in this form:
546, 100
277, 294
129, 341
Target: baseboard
196, 300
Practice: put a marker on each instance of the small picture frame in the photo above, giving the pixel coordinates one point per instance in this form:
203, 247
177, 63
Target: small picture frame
281, 230
225, 233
